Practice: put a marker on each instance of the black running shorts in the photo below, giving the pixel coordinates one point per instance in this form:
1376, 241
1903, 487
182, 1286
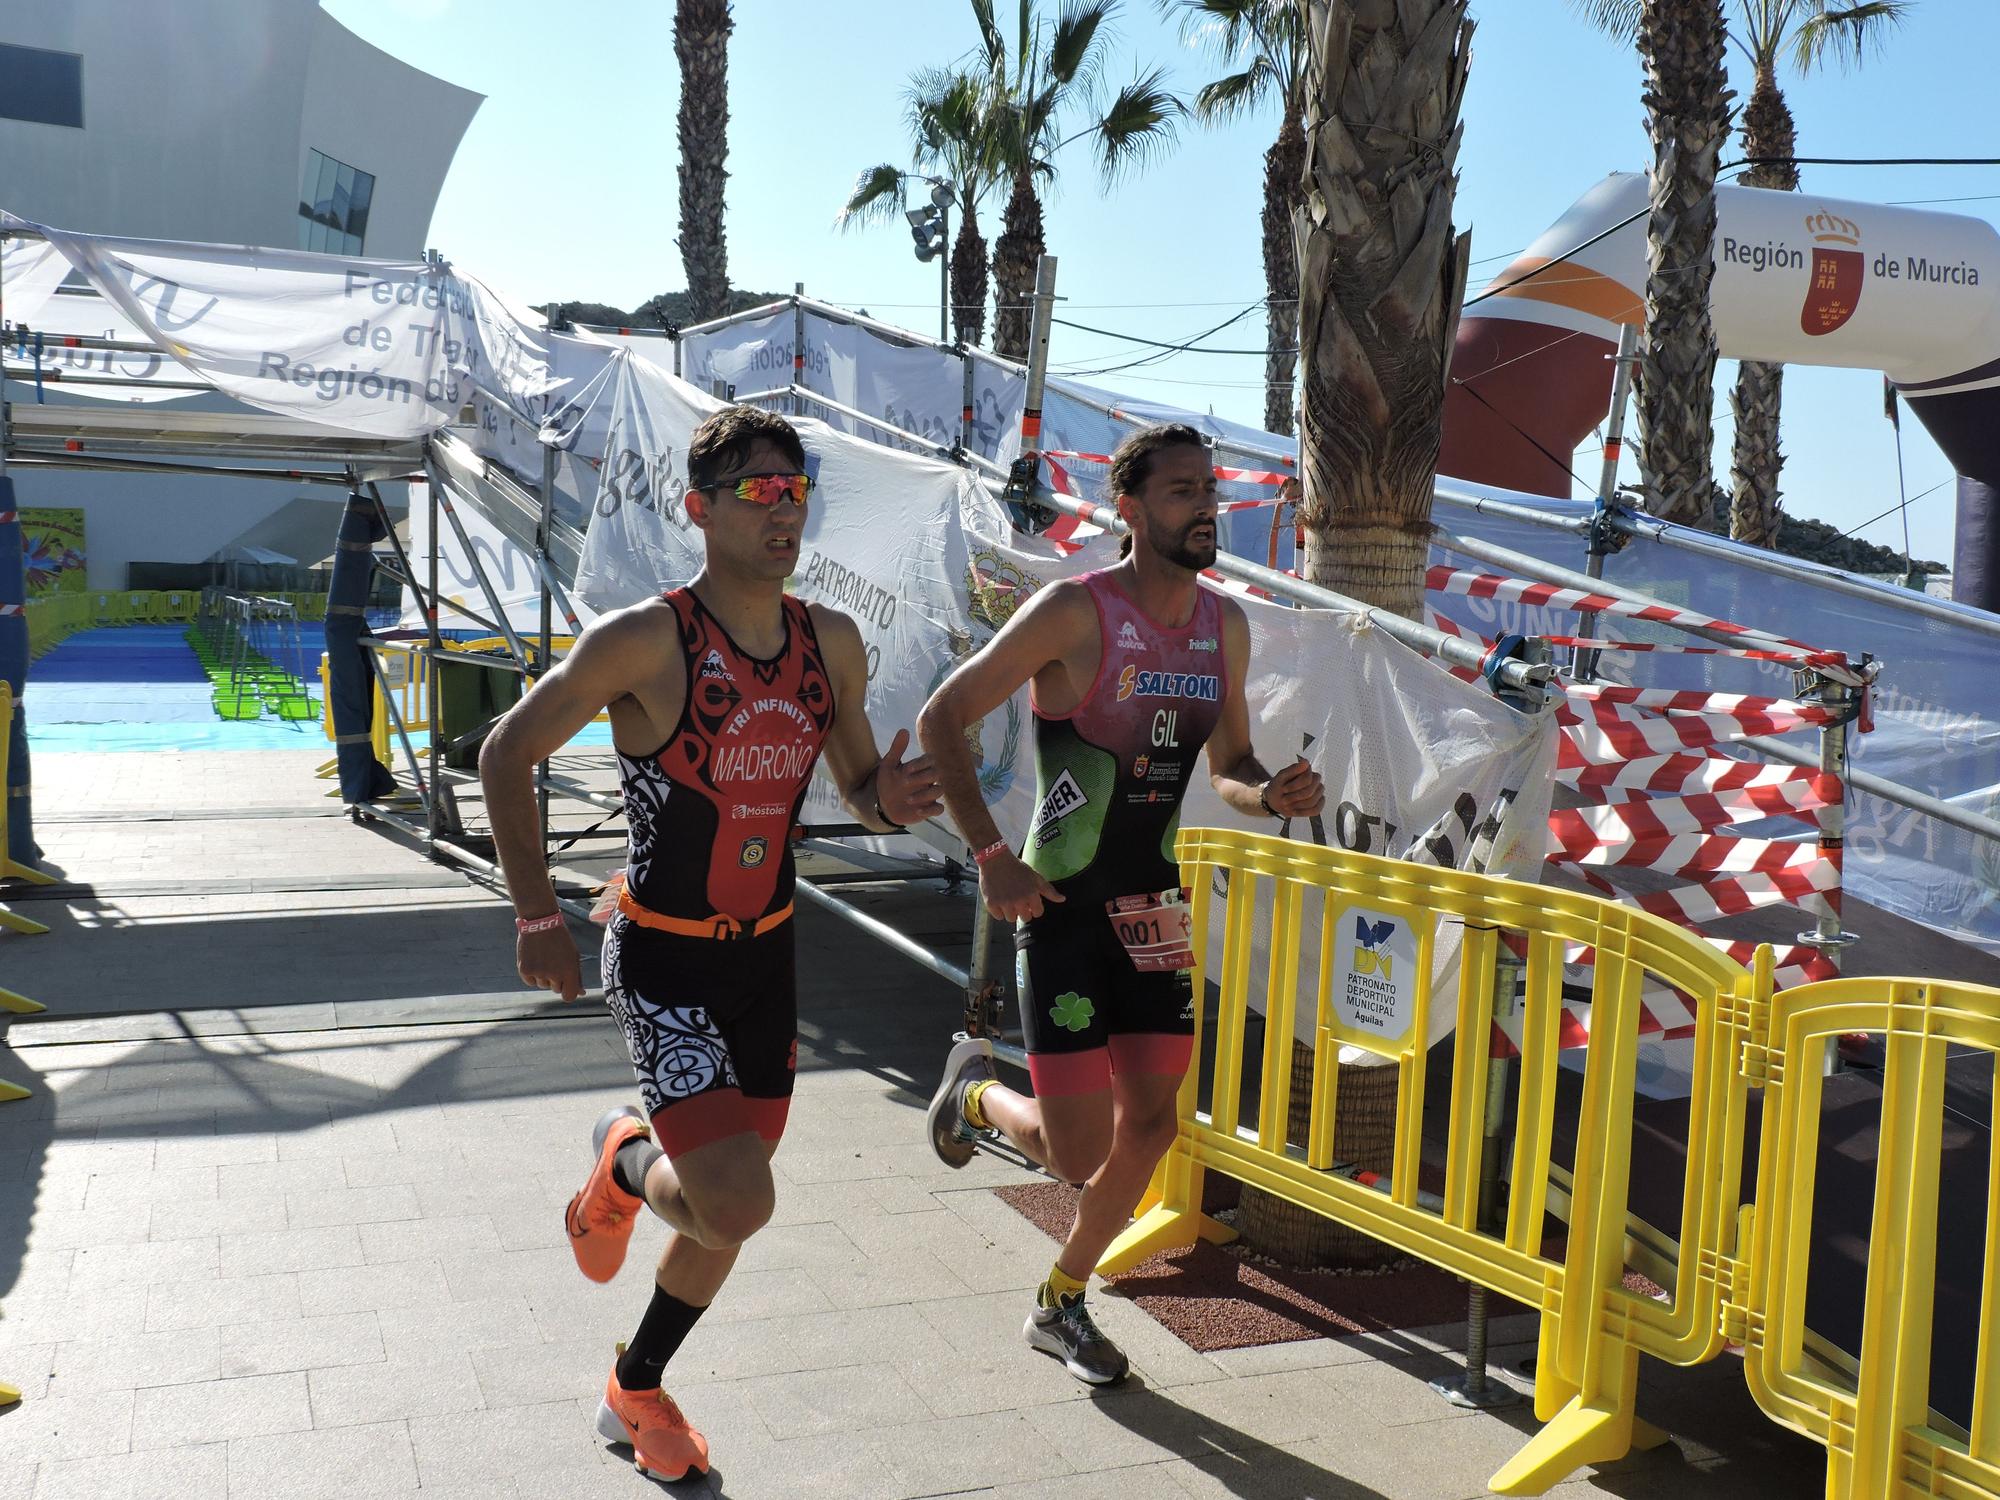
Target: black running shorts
712, 1027
1088, 1013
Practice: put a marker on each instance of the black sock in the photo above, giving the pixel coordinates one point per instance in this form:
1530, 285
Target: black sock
661, 1332
631, 1163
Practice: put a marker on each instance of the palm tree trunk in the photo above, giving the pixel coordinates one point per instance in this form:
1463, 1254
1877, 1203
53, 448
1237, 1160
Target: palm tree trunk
1687, 113
1756, 460
968, 278
1015, 256
1381, 275
701, 44
1284, 192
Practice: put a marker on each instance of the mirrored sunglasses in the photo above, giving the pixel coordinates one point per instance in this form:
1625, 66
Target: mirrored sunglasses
769, 489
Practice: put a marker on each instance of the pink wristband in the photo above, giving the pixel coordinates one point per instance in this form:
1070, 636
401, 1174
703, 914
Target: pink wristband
538, 924
997, 847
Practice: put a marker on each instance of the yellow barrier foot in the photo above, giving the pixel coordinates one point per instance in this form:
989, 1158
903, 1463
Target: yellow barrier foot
1215, 1231
20, 1005
14, 870
8, 1395
1156, 1230
1160, 1229
9, 1092
1646, 1437
14, 922
1581, 1434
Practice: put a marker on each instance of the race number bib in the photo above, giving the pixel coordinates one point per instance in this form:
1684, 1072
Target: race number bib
1156, 930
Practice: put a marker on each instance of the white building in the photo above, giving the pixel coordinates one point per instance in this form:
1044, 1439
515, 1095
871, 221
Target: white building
262, 122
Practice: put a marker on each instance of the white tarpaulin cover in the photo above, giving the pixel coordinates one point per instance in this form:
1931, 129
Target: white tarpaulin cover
387, 348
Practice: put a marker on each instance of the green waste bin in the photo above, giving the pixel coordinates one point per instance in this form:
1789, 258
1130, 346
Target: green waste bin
471, 695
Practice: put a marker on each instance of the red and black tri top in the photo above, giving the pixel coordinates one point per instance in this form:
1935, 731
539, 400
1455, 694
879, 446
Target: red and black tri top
711, 811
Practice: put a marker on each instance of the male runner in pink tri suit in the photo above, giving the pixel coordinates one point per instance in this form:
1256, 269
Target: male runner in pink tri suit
1132, 671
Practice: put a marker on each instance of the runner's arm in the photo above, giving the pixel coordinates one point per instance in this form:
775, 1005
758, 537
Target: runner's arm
599, 668
1238, 777
885, 792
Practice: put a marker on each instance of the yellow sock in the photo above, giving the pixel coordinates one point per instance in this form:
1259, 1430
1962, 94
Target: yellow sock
1059, 1285
974, 1116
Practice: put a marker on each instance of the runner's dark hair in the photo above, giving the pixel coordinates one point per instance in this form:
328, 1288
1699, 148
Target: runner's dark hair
1132, 463
725, 439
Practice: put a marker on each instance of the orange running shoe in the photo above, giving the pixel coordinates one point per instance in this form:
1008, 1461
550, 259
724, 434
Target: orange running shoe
664, 1446
600, 1218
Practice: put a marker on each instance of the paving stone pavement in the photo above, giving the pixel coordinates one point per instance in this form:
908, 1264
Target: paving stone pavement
260, 1247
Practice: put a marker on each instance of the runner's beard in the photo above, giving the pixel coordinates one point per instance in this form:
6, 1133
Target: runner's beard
1183, 553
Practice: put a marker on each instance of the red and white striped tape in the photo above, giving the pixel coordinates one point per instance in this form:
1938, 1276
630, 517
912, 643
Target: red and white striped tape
1662, 796
1683, 772
1473, 584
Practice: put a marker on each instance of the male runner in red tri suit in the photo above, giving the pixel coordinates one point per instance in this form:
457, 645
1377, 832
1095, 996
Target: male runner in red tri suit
1133, 670
723, 695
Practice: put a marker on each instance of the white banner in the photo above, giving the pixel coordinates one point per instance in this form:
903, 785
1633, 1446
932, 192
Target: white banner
30, 272
387, 348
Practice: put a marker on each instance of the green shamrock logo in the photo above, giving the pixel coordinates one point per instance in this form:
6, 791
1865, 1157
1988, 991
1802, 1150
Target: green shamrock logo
1072, 1011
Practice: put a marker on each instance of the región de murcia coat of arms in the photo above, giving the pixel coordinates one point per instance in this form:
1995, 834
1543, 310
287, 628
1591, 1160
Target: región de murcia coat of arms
1837, 269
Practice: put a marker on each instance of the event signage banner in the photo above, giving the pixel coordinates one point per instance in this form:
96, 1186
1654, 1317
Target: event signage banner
52, 539
387, 348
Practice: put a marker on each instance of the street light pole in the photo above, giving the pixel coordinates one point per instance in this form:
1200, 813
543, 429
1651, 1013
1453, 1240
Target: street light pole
944, 274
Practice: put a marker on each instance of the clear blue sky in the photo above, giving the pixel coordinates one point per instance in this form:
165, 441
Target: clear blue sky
565, 184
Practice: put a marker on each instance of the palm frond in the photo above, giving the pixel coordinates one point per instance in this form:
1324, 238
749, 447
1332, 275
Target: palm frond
1765, 27
1013, 142
1618, 19
1221, 28
876, 199
1236, 95
1081, 30
1846, 32
1142, 122
990, 40
952, 129
1242, 34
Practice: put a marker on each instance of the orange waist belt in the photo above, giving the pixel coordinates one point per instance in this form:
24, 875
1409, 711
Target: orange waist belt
720, 928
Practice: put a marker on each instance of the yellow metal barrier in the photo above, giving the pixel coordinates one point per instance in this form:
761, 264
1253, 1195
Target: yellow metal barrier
1377, 926
53, 618
1593, 1329
1876, 1426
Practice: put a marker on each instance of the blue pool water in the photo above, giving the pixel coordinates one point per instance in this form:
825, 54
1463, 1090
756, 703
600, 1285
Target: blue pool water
141, 687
